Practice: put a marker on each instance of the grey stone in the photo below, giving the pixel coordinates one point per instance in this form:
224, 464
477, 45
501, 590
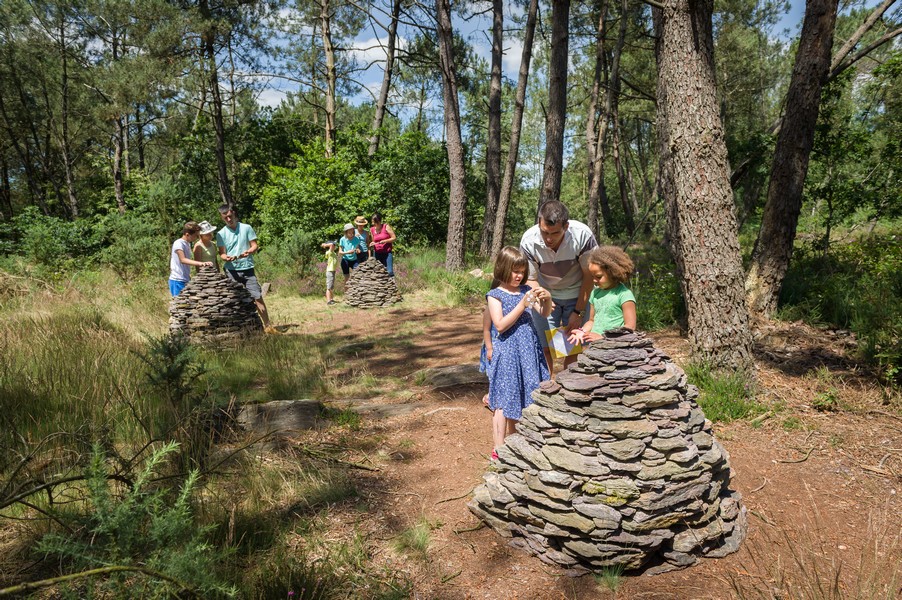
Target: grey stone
574, 462
627, 449
280, 416
451, 376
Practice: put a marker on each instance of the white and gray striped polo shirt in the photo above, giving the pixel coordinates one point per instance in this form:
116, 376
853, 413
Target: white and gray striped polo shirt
558, 271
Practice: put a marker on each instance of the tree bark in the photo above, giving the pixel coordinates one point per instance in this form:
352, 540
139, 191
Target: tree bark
454, 257
209, 53
557, 101
773, 248
507, 183
64, 123
597, 192
382, 101
118, 148
592, 146
6, 197
695, 178
118, 143
493, 140
329, 52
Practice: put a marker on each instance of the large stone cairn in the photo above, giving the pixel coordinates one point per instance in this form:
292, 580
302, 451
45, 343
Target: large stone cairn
371, 286
614, 465
213, 308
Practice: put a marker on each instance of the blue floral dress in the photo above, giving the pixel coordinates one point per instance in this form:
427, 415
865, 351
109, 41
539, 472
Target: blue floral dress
518, 363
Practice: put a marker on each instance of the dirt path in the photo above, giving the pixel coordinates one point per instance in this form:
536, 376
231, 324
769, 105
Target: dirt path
822, 487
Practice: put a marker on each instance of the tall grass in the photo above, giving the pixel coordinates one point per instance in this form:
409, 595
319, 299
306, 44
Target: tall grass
724, 396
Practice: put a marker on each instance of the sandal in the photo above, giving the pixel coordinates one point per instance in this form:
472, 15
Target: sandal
494, 454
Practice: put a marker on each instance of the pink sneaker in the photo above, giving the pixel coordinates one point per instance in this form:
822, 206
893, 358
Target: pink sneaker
494, 454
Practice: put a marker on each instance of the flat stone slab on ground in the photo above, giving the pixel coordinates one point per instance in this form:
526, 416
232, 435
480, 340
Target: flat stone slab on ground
451, 376
280, 416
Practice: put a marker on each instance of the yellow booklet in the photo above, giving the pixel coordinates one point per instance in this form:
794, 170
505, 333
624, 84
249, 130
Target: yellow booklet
558, 344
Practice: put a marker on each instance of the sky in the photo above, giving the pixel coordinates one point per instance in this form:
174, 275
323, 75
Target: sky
477, 30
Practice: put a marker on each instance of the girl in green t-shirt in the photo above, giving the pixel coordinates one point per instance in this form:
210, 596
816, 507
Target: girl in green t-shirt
611, 303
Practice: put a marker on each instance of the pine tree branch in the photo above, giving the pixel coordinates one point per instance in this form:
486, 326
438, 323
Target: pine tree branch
43, 583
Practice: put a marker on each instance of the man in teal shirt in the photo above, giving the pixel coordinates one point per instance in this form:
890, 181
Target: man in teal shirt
237, 243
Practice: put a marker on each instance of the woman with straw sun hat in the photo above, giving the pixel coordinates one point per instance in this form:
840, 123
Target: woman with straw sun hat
363, 235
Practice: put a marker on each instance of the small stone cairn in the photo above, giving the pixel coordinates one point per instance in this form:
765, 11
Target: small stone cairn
614, 465
370, 286
213, 308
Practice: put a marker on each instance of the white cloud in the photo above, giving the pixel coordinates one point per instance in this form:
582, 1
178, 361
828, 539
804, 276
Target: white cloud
373, 49
271, 97
513, 52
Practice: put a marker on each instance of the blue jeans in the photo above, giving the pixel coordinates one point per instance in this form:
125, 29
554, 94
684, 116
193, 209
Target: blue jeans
386, 259
559, 317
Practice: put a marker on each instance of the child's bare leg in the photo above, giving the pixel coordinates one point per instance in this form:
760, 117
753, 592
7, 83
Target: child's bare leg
499, 428
485, 400
511, 427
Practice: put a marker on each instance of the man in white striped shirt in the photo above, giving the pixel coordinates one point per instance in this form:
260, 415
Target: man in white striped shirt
557, 249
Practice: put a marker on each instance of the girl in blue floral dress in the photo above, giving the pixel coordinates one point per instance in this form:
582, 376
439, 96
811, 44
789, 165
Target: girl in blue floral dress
517, 363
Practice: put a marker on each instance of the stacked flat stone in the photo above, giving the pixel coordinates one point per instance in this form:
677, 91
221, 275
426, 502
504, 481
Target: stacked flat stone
370, 286
614, 465
213, 308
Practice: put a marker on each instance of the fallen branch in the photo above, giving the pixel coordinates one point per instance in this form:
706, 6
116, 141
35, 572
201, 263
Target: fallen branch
761, 418
448, 578
347, 463
760, 487
763, 518
464, 495
43, 583
435, 410
477, 527
794, 460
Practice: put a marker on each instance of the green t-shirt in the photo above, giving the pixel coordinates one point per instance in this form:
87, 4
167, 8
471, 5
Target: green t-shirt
608, 307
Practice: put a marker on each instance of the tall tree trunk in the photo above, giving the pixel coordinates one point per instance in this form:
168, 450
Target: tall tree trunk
64, 123
696, 182
592, 147
209, 51
139, 136
382, 101
773, 248
557, 101
6, 197
24, 154
329, 51
457, 213
493, 140
622, 184
510, 166
597, 192
118, 143
118, 149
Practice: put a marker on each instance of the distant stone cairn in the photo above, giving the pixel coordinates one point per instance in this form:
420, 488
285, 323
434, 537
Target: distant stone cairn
370, 286
615, 465
213, 308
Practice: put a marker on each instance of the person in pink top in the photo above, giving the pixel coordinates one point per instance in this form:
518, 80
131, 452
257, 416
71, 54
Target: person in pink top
381, 238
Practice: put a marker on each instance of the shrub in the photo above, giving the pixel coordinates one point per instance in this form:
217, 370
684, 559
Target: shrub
856, 286
50, 241
147, 526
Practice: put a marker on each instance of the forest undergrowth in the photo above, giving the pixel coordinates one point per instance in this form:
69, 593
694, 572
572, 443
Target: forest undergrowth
117, 443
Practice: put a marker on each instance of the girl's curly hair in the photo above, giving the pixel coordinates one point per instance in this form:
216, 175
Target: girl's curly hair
613, 260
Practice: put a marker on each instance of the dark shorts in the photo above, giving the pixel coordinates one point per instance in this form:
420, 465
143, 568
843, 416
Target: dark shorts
347, 265
248, 279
